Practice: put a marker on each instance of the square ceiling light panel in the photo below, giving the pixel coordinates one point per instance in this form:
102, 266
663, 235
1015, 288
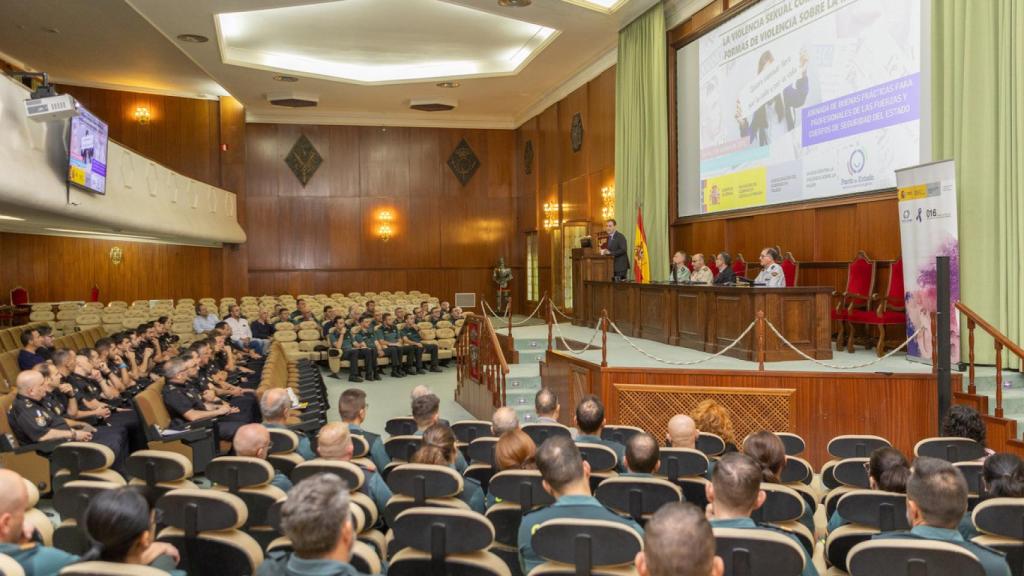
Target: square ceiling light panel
605, 6
380, 41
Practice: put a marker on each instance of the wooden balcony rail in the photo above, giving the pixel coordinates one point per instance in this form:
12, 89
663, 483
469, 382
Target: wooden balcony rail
1001, 342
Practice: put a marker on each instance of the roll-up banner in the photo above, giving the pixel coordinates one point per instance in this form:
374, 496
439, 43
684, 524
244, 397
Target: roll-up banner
928, 228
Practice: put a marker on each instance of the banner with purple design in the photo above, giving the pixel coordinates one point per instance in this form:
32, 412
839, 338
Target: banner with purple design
928, 228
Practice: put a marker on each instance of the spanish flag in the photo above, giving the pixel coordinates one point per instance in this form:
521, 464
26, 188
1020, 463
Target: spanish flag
641, 262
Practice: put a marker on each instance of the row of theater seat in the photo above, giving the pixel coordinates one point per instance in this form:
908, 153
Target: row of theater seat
9, 359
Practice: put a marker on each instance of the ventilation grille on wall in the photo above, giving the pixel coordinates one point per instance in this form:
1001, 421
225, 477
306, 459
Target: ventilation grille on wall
465, 299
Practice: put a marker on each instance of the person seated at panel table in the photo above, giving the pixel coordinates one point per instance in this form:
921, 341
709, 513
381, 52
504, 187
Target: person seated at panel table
678, 271
771, 273
701, 273
725, 274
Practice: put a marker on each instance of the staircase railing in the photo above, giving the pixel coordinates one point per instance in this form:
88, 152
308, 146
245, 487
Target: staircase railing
1000, 341
485, 365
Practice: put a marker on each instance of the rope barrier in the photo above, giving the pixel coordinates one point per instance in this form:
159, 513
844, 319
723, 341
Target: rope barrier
508, 317
558, 332
559, 310
687, 362
841, 366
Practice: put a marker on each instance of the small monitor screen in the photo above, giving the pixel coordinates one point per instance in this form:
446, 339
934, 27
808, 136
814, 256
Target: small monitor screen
87, 162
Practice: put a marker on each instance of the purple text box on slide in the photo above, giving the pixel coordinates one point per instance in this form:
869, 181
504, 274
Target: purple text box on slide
886, 104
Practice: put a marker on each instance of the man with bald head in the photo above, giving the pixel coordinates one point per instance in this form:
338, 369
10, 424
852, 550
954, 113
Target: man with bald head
642, 455
32, 421
504, 420
682, 432
253, 440
335, 443
678, 541
16, 536
276, 407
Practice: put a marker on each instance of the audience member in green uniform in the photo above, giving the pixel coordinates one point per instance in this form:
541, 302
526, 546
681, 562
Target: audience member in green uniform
678, 541
642, 456
735, 492
590, 421
936, 502
352, 409
15, 534
567, 478
769, 452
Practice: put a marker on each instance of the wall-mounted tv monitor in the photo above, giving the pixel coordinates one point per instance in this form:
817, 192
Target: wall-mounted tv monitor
87, 152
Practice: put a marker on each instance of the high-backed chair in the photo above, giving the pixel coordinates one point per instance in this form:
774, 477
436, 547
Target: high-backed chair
10, 567
790, 269
576, 546
354, 478
517, 493
849, 446
847, 475
744, 552
869, 512
468, 430
401, 448
710, 444
418, 485
71, 502
637, 497
912, 558
602, 460
481, 460
98, 568
83, 461
973, 472
249, 479
620, 434
444, 541
860, 283
783, 507
197, 442
739, 266
283, 446
203, 526
35, 517
891, 309
400, 426
541, 432
687, 469
160, 470
950, 449
1001, 523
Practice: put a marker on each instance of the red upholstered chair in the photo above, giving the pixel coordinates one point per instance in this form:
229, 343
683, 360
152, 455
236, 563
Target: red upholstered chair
860, 283
739, 266
891, 309
790, 269
19, 296
19, 305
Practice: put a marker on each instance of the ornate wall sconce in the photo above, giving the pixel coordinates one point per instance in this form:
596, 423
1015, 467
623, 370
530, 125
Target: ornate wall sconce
607, 202
384, 230
141, 115
551, 212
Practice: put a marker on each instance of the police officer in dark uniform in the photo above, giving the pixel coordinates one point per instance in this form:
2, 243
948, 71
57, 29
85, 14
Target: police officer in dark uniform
411, 336
202, 378
390, 343
91, 394
32, 422
186, 404
363, 337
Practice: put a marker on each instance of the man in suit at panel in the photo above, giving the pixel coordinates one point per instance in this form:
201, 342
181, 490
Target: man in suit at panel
617, 248
725, 275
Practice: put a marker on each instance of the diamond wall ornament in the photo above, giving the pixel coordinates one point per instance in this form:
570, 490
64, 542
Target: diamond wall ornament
303, 159
463, 162
528, 157
577, 132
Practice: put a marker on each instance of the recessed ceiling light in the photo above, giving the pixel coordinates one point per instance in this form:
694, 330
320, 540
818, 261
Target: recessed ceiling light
15, 218
448, 84
283, 78
514, 3
194, 38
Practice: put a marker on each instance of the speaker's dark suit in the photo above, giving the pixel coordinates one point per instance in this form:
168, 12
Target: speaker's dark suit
618, 249
726, 276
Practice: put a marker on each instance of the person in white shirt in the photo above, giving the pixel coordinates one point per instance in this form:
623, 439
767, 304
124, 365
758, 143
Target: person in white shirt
241, 333
771, 274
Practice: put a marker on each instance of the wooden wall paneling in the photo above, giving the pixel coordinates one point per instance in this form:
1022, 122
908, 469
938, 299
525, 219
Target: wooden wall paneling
576, 199
574, 164
262, 160
343, 170
599, 133
832, 233
266, 227
234, 258
384, 161
500, 164
304, 223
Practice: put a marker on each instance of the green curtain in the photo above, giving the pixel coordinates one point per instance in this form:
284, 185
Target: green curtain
978, 120
641, 135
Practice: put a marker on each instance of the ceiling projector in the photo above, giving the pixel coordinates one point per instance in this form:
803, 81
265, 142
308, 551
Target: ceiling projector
51, 108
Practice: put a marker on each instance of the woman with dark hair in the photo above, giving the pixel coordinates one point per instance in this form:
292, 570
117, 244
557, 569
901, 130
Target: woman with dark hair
1002, 476
123, 527
964, 422
888, 471
439, 449
769, 452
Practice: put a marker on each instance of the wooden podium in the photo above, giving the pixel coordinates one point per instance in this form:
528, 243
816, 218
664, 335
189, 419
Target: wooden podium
587, 264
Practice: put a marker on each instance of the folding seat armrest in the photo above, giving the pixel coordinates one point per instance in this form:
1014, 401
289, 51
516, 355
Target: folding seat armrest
42, 447
191, 435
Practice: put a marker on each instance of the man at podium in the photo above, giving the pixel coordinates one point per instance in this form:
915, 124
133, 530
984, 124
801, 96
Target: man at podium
618, 249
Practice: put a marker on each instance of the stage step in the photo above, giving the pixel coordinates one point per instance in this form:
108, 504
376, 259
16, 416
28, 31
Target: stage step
1013, 397
522, 384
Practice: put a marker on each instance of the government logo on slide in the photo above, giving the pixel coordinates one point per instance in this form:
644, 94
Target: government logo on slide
856, 162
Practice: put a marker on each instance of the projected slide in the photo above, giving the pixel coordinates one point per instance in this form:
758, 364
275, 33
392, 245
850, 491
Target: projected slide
801, 99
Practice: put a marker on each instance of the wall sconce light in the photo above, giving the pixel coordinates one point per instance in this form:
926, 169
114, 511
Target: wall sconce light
141, 115
607, 202
384, 219
551, 220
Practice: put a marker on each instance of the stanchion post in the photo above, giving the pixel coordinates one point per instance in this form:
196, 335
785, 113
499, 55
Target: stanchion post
604, 338
550, 326
509, 308
760, 340
943, 335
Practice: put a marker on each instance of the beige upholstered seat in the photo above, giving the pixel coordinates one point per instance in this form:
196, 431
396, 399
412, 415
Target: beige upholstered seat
83, 461
160, 470
927, 558
748, 547
96, 568
203, 526
71, 502
249, 479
